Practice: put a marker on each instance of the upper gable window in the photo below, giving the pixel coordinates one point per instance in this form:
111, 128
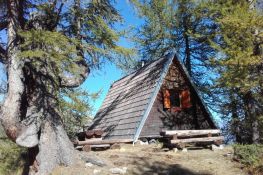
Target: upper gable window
176, 100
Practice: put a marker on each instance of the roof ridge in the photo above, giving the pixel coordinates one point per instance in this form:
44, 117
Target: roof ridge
146, 65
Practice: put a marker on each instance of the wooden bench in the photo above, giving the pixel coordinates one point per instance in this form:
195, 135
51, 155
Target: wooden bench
179, 138
89, 144
89, 134
100, 142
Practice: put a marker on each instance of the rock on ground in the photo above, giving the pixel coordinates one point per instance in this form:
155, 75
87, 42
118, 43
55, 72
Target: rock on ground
118, 170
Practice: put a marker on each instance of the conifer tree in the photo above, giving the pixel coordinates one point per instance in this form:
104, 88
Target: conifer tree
239, 66
175, 25
51, 46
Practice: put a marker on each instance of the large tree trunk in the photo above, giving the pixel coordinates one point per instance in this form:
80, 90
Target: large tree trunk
28, 114
11, 111
187, 48
258, 50
256, 133
251, 114
55, 148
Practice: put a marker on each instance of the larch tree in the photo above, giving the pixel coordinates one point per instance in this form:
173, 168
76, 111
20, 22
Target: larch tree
239, 66
51, 45
175, 25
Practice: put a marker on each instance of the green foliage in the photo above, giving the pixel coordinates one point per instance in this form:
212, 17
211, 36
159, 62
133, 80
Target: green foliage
238, 64
251, 156
76, 109
59, 37
99, 38
169, 24
53, 50
11, 157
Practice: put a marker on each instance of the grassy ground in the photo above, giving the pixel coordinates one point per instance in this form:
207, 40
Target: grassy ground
11, 158
152, 160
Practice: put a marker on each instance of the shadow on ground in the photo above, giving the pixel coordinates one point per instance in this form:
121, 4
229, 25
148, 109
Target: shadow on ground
144, 167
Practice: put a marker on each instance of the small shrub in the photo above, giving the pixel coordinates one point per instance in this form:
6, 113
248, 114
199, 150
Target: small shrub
11, 158
251, 156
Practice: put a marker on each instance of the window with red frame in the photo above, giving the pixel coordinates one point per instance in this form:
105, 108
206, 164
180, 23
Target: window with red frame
176, 100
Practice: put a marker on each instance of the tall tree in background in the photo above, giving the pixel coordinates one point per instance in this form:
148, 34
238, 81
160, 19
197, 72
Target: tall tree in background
175, 25
239, 65
178, 25
51, 45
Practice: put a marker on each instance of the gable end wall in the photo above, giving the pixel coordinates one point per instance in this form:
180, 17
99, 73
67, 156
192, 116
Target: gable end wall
159, 119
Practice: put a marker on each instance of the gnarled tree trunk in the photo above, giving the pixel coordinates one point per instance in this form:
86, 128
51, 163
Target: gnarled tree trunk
30, 114
54, 146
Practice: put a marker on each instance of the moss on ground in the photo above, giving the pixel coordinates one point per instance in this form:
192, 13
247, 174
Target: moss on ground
12, 157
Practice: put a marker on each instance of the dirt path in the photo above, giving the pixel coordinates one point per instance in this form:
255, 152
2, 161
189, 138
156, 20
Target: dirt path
152, 160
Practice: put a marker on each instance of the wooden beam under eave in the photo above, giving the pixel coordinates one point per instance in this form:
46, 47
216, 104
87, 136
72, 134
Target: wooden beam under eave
98, 142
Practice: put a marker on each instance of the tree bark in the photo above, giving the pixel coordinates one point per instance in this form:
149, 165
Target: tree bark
75, 81
2, 55
55, 148
187, 46
187, 52
251, 114
29, 113
251, 101
10, 111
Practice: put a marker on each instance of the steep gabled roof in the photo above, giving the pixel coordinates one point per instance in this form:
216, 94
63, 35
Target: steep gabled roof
130, 99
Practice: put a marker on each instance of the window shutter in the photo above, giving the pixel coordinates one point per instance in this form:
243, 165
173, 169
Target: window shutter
166, 99
185, 99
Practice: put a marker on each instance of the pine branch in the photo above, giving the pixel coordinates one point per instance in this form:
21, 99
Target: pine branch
75, 80
3, 25
59, 12
2, 55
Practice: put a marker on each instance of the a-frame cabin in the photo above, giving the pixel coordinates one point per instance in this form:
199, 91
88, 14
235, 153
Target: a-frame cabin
159, 96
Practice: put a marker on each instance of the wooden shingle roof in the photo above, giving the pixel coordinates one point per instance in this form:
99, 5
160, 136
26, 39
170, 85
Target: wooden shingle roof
128, 99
